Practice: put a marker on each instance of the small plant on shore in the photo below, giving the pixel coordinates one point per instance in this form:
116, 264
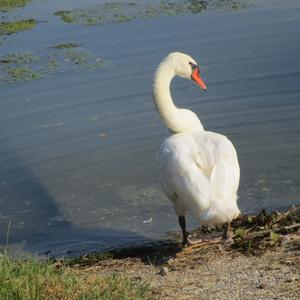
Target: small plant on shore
255, 234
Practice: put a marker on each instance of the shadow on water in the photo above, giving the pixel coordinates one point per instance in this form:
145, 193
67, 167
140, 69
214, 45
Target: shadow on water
31, 221
26, 204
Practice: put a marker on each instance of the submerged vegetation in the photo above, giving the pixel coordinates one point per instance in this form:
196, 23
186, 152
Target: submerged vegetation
33, 279
117, 12
66, 46
63, 57
26, 66
7, 5
9, 27
18, 66
16, 26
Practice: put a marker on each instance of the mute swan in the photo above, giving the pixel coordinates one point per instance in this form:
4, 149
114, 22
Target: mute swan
199, 169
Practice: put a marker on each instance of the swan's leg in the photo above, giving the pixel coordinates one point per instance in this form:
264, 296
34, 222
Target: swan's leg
227, 234
181, 220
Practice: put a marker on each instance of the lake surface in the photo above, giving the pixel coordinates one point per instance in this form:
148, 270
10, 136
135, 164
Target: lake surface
77, 154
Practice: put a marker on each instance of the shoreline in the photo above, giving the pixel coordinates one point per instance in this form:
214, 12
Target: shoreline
262, 261
251, 235
213, 270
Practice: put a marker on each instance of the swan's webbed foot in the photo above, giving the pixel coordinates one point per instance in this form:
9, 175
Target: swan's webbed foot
194, 240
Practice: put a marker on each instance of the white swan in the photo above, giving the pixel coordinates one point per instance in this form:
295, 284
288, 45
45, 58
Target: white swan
199, 169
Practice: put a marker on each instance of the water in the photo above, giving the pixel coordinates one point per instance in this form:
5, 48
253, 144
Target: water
78, 149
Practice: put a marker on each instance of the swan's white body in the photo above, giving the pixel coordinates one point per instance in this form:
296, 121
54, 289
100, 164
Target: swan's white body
199, 170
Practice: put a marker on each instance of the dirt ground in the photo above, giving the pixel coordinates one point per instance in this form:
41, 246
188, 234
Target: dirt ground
212, 271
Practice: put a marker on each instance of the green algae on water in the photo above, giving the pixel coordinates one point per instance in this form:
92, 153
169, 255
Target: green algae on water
121, 18
20, 67
77, 59
7, 5
16, 26
65, 57
118, 12
22, 73
19, 58
66, 45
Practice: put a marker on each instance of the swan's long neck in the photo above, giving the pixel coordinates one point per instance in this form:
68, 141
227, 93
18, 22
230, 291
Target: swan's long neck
176, 119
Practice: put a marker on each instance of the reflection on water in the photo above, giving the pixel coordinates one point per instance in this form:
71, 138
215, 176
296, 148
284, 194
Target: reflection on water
77, 155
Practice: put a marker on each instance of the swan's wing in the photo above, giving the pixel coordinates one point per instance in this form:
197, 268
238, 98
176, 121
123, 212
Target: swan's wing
198, 167
225, 174
180, 176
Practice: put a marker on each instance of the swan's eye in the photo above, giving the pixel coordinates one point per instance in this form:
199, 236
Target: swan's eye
194, 66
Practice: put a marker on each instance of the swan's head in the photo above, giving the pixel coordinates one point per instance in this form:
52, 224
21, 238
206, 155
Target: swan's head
186, 67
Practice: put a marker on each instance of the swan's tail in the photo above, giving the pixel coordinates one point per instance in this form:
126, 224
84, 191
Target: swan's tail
220, 212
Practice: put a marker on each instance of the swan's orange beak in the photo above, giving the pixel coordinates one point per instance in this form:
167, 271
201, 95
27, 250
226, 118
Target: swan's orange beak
196, 77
